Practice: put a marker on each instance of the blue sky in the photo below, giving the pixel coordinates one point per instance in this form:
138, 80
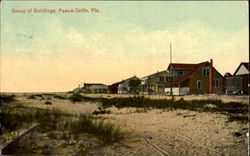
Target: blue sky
124, 39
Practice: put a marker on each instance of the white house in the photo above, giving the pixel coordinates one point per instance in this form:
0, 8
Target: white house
124, 87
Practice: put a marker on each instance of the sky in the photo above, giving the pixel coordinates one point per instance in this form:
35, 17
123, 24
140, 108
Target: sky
54, 52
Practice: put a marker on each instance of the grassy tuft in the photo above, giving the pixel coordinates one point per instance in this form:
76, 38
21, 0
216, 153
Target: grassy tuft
79, 98
106, 131
235, 110
7, 98
59, 97
48, 103
53, 121
31, 97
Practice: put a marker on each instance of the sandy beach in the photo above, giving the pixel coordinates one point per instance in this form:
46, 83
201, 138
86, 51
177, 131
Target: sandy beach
161, 131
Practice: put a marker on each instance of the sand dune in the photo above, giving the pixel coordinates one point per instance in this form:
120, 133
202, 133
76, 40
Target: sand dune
164, 132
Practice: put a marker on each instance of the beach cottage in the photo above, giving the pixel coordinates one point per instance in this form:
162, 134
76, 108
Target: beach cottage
197, 78
124, 86
95, 88
238, 83
154, 83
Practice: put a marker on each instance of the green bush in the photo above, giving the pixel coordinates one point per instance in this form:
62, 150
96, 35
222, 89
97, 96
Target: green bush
79, 98
106, 131
31, 97
6, 98
228, 108
48, 103
60, 97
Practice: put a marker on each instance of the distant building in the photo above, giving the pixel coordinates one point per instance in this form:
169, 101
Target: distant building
113, 89
79, 90
154, 83
95, 88
124, 88
238, 83
198, 78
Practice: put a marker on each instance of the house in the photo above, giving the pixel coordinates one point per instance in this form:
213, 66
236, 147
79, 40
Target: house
95, 88
238, 83
154, 83
79, 90
113, 88
124, 87
198, 78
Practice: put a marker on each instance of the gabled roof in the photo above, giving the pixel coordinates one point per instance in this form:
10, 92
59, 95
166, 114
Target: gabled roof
117, 83
153, 75
242, 75
90, 84
128, 79
182, 66
246, 64
193, 67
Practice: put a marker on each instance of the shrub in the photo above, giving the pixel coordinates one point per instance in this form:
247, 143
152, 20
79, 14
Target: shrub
60, 97
31, 97
48, 103
7, 98
79, 98
106, 131
49, 119
229, 108
101, 110
237, 134
238, 117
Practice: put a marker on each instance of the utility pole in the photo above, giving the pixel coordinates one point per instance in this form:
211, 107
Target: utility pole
171, 72
170, 53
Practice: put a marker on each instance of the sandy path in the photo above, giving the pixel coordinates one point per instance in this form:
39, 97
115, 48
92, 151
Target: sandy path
170, 133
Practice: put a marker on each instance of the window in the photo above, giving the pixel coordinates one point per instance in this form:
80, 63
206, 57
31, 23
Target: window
198, 84
205, 71
215, 83
161, 79
179, 73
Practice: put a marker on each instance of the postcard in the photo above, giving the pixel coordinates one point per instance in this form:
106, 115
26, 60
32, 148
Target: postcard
124, 78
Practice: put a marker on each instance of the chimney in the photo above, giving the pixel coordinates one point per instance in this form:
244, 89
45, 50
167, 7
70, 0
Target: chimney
211, 76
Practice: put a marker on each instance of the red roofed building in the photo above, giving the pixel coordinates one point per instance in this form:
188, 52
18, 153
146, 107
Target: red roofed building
113, 88
194, 79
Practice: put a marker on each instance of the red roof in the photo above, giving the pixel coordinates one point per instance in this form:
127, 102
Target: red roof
193, 67
182, 66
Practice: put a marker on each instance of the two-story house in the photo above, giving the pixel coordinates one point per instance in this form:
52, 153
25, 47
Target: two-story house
154, 83
198, 78
124, 86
